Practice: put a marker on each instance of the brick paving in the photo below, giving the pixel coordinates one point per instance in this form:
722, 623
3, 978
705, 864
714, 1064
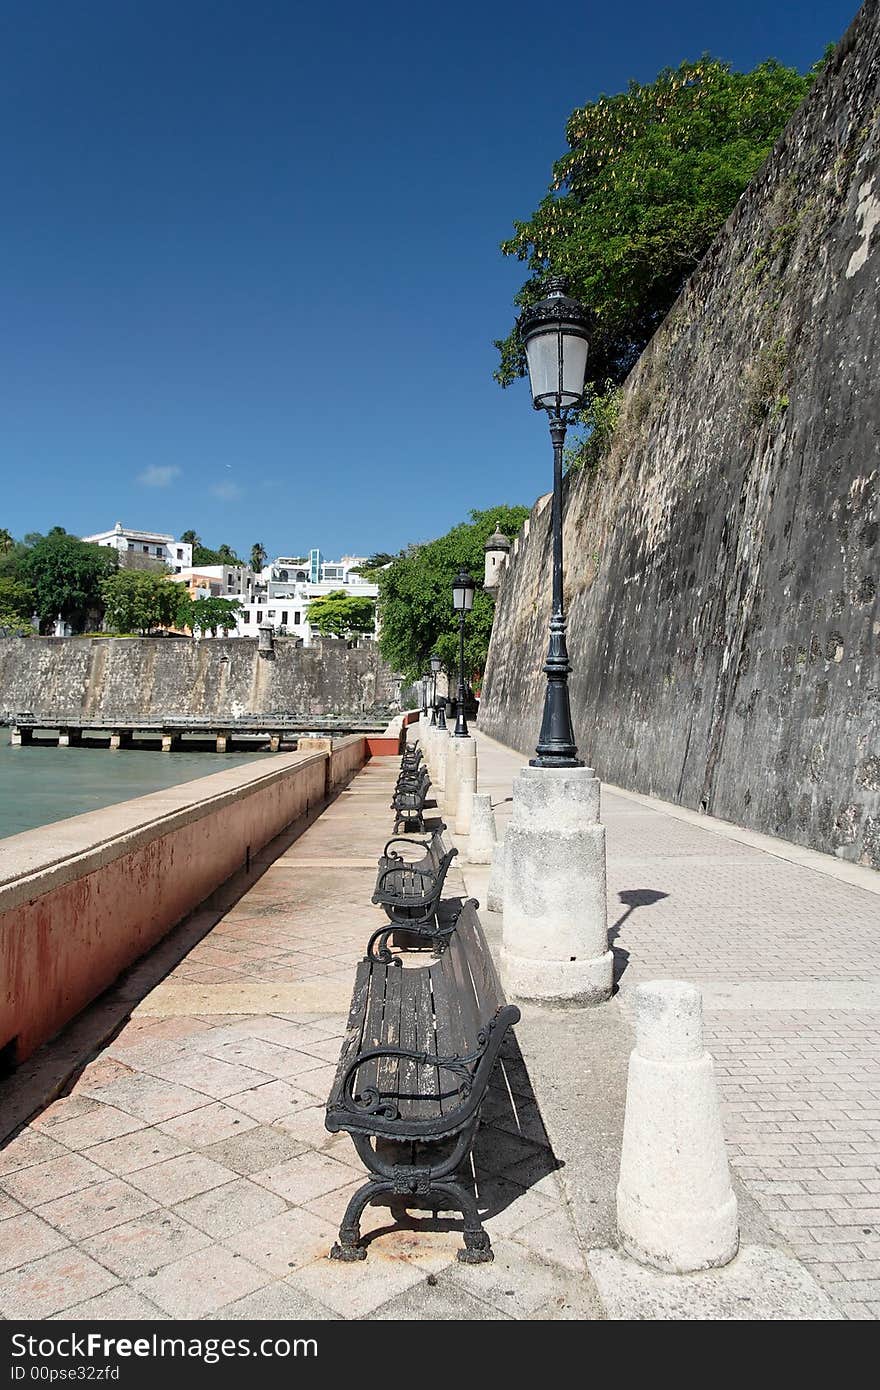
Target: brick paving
186, 1173
761, 935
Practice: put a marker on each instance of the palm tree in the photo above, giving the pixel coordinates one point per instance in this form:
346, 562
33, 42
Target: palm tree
258, 556
190, 538
6, 541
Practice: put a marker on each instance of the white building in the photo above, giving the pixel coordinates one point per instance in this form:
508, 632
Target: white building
219, 581
153, 544
288, 585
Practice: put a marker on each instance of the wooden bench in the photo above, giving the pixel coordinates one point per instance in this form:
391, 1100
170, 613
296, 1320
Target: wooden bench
409, 890
414, 1068
412, 756
408, 803
412, 776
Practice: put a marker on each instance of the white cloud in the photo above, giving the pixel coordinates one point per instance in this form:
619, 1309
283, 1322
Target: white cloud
227, 492
158, 475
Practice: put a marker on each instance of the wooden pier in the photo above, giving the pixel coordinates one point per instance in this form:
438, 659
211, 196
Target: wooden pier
251, 733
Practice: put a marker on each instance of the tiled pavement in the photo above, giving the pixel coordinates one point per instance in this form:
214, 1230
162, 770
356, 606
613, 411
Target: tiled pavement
187, 1172
788, 958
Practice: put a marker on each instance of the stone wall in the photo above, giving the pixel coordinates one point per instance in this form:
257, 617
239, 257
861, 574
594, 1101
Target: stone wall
721, 564
82, 904
162, 678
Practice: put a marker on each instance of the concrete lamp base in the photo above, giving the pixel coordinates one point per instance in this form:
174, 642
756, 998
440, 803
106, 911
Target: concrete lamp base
461, 763
555, 940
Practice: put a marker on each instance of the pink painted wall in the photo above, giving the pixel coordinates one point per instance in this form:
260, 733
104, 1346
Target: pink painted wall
62, 947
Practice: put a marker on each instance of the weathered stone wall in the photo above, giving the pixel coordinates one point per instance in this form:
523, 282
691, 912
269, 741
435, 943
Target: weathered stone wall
721, 565
129, 678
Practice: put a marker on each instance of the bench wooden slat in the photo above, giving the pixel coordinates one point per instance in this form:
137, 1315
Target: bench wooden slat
471, 1013
428, 1081
473, 949
389, 1068
373, 1034
413, 982
352, 1042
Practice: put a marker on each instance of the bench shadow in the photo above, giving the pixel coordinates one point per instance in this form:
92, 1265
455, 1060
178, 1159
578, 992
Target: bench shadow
631, 898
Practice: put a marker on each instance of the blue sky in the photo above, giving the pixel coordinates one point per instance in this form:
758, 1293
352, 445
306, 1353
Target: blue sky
249, 266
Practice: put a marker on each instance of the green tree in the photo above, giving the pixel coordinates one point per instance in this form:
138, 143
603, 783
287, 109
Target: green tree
210, 614
223, 555
65, 575
13, 559
6, 541
648, 179
16, 605
415, 597
339, 614
258, 556
371, 567
141, 601
190, 538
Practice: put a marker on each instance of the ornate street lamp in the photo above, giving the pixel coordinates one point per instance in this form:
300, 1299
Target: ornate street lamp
436, 663
463, 588
554, 334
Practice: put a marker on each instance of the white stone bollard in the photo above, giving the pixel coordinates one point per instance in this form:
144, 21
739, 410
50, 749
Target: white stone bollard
555, 940
675, 1206
438, 772
495, 890
465, 752
482, 837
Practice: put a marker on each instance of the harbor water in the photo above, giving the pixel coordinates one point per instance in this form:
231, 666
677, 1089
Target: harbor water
39, 785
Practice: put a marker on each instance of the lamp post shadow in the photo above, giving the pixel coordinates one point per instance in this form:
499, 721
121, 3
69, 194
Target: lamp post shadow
631, 899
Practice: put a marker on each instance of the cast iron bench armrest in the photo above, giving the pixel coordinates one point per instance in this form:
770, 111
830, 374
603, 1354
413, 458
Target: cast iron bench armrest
405, 840
459, 1066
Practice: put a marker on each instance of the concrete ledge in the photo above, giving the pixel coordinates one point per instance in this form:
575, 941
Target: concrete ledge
84, 898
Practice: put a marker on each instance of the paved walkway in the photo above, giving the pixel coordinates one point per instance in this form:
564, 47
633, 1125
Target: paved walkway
188, 1174
787, 953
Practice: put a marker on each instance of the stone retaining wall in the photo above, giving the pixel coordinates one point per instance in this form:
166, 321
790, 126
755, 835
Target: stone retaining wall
722, 562
82, 899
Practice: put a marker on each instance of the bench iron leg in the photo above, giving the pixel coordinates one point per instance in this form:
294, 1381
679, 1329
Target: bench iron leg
348, 1246
477, 1246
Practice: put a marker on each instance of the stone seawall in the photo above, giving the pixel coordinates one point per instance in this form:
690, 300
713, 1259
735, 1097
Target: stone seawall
224, 679
722, 563
84, 898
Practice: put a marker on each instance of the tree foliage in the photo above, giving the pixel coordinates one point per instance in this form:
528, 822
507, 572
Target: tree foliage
339, 614
209, 614
223, 555
415, 597
258, 556
141, 601
66, 576
648, 179
16, 605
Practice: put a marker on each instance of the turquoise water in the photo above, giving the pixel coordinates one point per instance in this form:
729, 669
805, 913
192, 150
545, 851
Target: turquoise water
39, 785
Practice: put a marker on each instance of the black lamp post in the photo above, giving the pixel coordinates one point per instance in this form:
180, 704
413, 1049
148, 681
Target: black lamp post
462, 601
554, 334
436, 663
